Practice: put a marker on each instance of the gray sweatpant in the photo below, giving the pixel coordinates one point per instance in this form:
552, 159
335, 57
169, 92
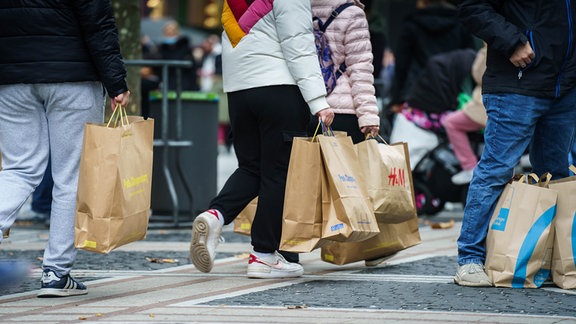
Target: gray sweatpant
38, 121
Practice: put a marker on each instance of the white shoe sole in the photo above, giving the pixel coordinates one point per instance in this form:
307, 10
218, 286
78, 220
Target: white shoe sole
273, 274
198, 250
460, 282
54, 292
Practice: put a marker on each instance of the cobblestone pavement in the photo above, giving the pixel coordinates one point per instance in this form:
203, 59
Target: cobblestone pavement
153, 281
419, 282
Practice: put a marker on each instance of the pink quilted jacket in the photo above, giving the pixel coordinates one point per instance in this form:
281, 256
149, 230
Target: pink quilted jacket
349, 41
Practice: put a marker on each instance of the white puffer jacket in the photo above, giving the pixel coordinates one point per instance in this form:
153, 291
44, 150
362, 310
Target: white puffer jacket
271, 43
349, 40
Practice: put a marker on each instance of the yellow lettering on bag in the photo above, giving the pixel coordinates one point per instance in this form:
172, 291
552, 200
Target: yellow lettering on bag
139, 191
90, 244
328, 257
134, 181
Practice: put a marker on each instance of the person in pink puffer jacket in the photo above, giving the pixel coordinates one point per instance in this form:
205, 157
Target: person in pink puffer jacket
353, 99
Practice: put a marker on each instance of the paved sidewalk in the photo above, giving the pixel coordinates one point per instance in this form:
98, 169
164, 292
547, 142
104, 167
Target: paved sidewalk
152, 281
414, 286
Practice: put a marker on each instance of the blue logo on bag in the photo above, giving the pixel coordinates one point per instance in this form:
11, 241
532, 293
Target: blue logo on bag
337, 227
527, 249
500, 221
346, 178
573, 238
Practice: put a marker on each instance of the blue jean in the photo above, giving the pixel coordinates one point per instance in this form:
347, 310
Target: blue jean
546, 125
573, 153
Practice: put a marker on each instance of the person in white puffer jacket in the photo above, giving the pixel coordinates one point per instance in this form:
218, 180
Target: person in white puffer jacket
273, 82
353, 99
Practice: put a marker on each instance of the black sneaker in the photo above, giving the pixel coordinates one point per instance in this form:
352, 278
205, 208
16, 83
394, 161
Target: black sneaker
55, 286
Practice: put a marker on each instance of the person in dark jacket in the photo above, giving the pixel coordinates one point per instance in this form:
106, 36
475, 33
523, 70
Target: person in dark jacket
432, 29
435, 93
58, 59
175, 46
529, 93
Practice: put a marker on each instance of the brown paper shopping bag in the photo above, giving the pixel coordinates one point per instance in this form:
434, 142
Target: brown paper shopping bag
391, 239
114, 185
243, 222
302, 215
347, 212
388, 177
520, 234
564, 251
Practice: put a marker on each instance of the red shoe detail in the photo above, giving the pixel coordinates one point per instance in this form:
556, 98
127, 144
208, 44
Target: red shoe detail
213, 212
252, 258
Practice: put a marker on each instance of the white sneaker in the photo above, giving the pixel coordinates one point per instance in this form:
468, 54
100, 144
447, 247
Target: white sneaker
462, 177
273, 267
206, 231
472, 275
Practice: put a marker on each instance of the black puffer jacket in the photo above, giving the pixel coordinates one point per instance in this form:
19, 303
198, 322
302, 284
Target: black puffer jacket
443, 78
550, 28
54, 41
429, 31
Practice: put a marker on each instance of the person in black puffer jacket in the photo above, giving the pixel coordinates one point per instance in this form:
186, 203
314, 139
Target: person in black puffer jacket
432, 29
529, 91
58, 59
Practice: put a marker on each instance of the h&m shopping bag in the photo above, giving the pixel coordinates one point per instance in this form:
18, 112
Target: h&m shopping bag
520, 234
347, 212
564, 255
388, 177
114, 184
243, 222
302, 215
391, 239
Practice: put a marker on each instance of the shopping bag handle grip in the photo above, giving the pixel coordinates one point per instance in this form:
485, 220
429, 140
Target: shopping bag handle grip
119, 113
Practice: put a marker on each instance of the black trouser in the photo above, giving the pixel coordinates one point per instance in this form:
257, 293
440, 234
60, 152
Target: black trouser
342, 122
263, 122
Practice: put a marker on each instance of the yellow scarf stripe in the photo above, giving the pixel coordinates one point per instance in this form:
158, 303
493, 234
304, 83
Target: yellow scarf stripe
233, 30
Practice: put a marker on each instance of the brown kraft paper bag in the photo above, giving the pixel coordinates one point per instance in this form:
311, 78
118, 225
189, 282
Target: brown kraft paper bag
388, 177
114, 185
302, 216
347, 212
564, 251
520, 234
391, 239
243, 222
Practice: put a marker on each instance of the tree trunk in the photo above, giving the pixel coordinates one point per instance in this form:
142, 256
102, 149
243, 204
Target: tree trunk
127, 14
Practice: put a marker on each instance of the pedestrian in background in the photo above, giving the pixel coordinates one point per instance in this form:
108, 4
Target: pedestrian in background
470, 118
529, 93
273, 81
57, 61
353, 98
176, 46
433, 28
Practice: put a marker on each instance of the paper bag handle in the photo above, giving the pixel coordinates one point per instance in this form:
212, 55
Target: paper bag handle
119, 113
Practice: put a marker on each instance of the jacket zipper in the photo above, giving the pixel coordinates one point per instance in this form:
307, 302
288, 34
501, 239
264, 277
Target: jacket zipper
531, 38
568, 50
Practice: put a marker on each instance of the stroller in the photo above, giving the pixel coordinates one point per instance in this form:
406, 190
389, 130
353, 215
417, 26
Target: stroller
432, 175
433, 165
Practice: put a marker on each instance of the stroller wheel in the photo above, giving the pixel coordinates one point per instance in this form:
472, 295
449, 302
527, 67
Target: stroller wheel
426, 202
